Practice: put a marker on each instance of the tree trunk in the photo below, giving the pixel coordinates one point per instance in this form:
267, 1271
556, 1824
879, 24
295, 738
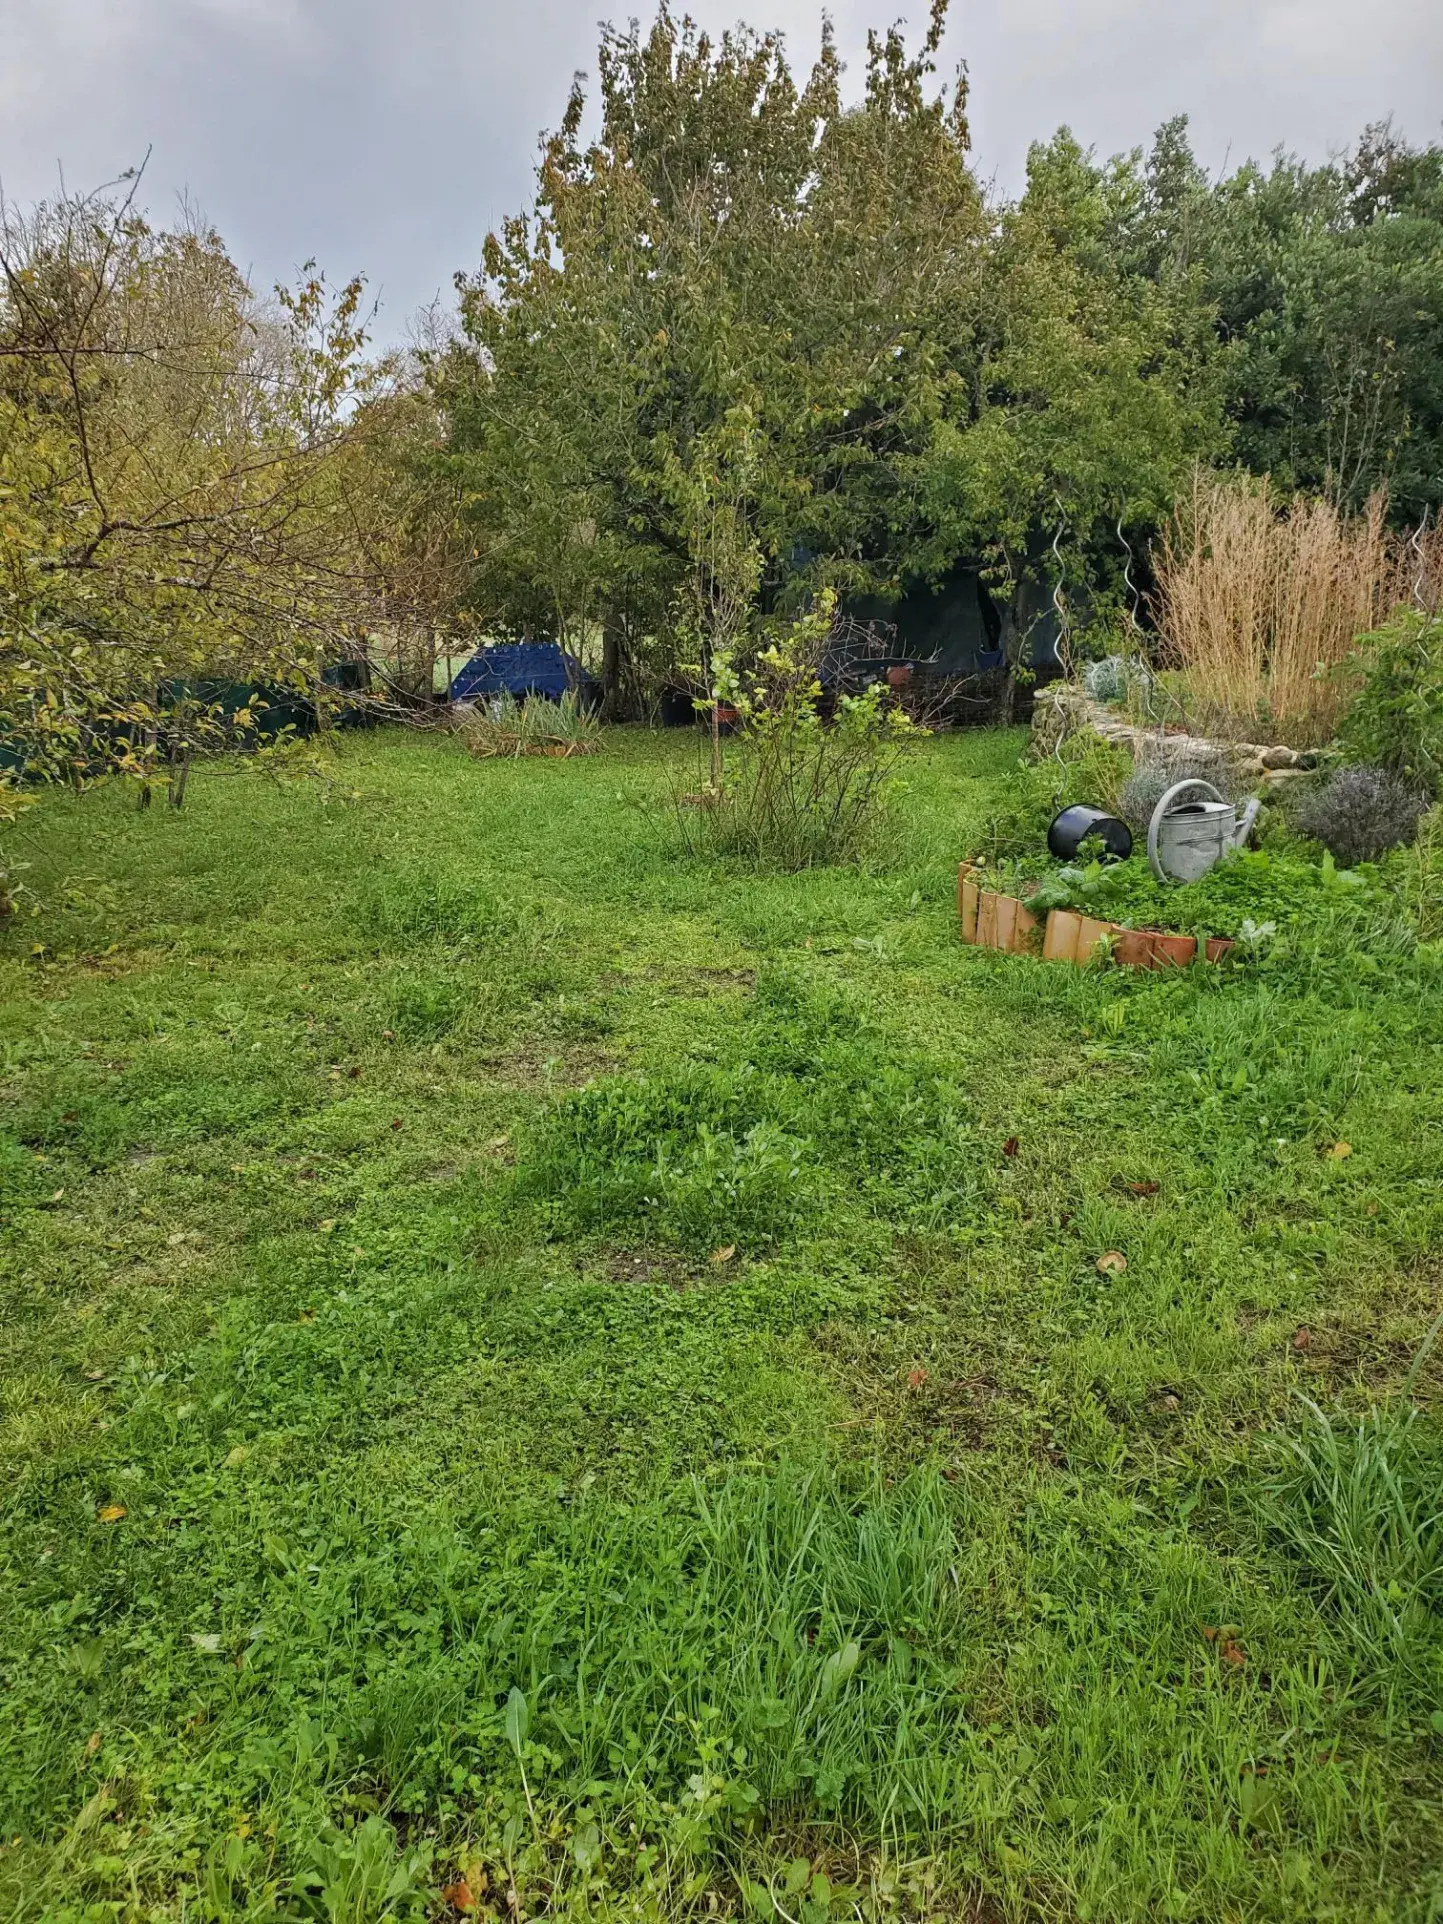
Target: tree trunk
613, 656
1024, 608
1015, 631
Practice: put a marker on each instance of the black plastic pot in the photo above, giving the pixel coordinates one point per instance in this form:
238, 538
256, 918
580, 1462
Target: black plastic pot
1077, 823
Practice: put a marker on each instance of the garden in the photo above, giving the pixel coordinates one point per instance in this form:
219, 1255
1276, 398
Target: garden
641, 1278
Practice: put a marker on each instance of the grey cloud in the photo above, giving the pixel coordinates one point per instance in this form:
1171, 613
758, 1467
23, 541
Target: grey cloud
390, 137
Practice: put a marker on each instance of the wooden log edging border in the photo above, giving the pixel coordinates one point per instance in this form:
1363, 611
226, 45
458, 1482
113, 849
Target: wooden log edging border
991, 920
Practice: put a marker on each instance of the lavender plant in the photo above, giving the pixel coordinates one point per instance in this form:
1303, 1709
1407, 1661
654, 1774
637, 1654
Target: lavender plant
1360, 813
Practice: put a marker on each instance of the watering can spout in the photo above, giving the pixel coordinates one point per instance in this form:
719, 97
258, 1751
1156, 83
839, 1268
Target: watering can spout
1245, 823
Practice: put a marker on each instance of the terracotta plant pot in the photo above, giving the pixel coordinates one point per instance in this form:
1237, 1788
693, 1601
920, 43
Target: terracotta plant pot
1134, 949
1173, 951
1218, 946
899, 674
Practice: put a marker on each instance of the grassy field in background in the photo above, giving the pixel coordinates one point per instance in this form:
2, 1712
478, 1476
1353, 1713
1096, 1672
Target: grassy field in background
533, 1358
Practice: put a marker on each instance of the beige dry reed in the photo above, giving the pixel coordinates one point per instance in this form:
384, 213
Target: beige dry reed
1260, 608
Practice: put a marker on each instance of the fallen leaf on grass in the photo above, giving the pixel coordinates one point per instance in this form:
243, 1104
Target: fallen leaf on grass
1234, 1654
95, 1376
1143, 1188
395, 1122
1113, 1263
1340, 1150
112, 1513
1011, 1146
720, 1256
917, 1378
206, 1640
1302, 1337
458, 1896
92, 1743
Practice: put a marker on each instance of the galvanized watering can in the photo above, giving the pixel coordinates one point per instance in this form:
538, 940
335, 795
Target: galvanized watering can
1186, 839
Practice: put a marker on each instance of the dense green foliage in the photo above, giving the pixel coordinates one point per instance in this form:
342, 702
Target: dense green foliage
598, 1371
1396, 720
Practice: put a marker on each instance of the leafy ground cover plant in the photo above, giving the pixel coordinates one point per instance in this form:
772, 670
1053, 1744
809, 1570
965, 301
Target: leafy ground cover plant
1305, 900
390, 1502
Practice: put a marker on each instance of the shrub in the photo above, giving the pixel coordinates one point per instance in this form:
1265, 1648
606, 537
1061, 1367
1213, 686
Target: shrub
1106, 680
804, 787
1360, 813
1165, 763
1396, 721
1126, 680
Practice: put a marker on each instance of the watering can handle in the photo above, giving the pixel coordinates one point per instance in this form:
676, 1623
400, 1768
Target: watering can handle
1153, 826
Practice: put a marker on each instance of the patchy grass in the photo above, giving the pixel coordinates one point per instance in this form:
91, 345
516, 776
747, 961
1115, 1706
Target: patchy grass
531, 1357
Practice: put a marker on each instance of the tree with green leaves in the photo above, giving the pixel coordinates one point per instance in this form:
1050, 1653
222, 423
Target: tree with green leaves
731, 246
1326, 289
1088, 398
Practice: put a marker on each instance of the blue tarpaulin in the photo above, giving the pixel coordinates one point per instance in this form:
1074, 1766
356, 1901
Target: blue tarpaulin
521, 668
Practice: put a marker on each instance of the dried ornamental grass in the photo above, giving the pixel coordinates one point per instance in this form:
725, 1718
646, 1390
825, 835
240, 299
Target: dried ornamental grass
1261, 608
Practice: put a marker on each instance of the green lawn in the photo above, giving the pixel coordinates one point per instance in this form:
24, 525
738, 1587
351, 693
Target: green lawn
529, 1355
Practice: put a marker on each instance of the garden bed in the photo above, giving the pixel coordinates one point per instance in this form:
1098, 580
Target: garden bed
993, 920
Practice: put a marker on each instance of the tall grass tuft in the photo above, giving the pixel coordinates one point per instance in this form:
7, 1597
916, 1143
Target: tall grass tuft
1361, 1507
535, 726
1260, 607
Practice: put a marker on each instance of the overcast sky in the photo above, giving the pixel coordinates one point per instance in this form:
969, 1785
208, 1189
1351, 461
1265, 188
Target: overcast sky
388, 135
